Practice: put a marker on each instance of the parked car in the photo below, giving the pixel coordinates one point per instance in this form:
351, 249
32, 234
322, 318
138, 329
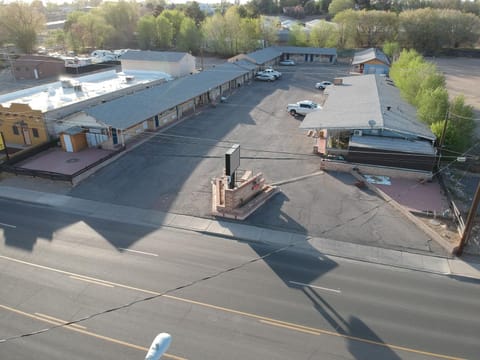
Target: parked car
287, 62
264, 77
322, 85
302, 107
270, 71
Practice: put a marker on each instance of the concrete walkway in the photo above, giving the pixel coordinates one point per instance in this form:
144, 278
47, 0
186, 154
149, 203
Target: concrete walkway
438, 265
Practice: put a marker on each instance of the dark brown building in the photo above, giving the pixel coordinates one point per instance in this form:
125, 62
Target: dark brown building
28, 67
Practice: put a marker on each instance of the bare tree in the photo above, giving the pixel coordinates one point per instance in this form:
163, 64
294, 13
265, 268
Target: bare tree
21, 23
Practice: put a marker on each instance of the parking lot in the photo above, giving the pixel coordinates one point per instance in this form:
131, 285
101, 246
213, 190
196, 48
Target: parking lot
172, 172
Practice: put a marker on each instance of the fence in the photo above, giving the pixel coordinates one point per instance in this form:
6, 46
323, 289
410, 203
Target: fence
17, 170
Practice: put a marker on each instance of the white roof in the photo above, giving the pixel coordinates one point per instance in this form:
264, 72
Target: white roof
53, 96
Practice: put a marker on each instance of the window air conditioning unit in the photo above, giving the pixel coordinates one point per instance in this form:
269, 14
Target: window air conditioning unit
357, 132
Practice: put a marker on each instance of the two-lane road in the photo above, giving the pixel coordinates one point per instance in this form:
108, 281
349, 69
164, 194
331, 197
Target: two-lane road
220, 300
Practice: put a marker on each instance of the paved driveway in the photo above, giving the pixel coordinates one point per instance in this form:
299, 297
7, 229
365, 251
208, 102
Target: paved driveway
172, 172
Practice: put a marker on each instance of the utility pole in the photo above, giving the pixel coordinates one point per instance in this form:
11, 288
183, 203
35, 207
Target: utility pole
442, 137
470, 220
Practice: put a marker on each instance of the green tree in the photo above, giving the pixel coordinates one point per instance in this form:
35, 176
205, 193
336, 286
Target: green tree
189, 37
146, 32
175, 17
422, 30
248, 10
459, 29
311, 7
265, 6
73, 31
337, 6
164, 32
193, 11
233, 29
214, 31
268, 29
249, 35
21, 24
94, 30
375, 27
432, 105
404, 73
297, 36
57, 39
423, 86
323, 34
123, 17
460, 126
347, 29
391, 49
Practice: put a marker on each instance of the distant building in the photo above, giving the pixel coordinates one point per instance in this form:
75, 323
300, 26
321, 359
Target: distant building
21, 126
28, 67
32, 116
177, 64
272, 55
370, 61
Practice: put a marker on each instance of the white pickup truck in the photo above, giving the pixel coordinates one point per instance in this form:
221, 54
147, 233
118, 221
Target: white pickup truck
302, 107
270, 71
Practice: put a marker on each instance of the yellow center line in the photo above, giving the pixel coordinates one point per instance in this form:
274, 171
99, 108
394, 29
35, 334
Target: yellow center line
82, 331
290, 327
60, 321
315, 331
98, 282
237, 312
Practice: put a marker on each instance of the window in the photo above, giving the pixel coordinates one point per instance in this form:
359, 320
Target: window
35, 132
15, 130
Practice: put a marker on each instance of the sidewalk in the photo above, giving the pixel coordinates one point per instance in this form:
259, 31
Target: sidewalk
438, 265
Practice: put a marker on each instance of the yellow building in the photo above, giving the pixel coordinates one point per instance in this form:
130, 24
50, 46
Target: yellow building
21, 126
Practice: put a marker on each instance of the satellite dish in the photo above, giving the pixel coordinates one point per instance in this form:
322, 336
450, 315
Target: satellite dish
372, 123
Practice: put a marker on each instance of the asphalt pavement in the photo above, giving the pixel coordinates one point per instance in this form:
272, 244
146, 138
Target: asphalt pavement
439, 265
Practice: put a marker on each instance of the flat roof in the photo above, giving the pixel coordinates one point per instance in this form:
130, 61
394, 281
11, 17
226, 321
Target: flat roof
393, 144
53, 95
367, 102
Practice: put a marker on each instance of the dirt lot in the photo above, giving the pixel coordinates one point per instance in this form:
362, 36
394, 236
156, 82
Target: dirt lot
463, 77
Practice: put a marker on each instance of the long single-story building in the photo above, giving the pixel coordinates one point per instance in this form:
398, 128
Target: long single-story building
364, 120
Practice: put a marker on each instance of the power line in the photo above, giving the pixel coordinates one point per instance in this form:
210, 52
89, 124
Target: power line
212, 276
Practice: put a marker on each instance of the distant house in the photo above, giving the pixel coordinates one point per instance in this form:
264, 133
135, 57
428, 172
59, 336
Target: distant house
370, 61
28, 67
177, 64
364, 120
272, 55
